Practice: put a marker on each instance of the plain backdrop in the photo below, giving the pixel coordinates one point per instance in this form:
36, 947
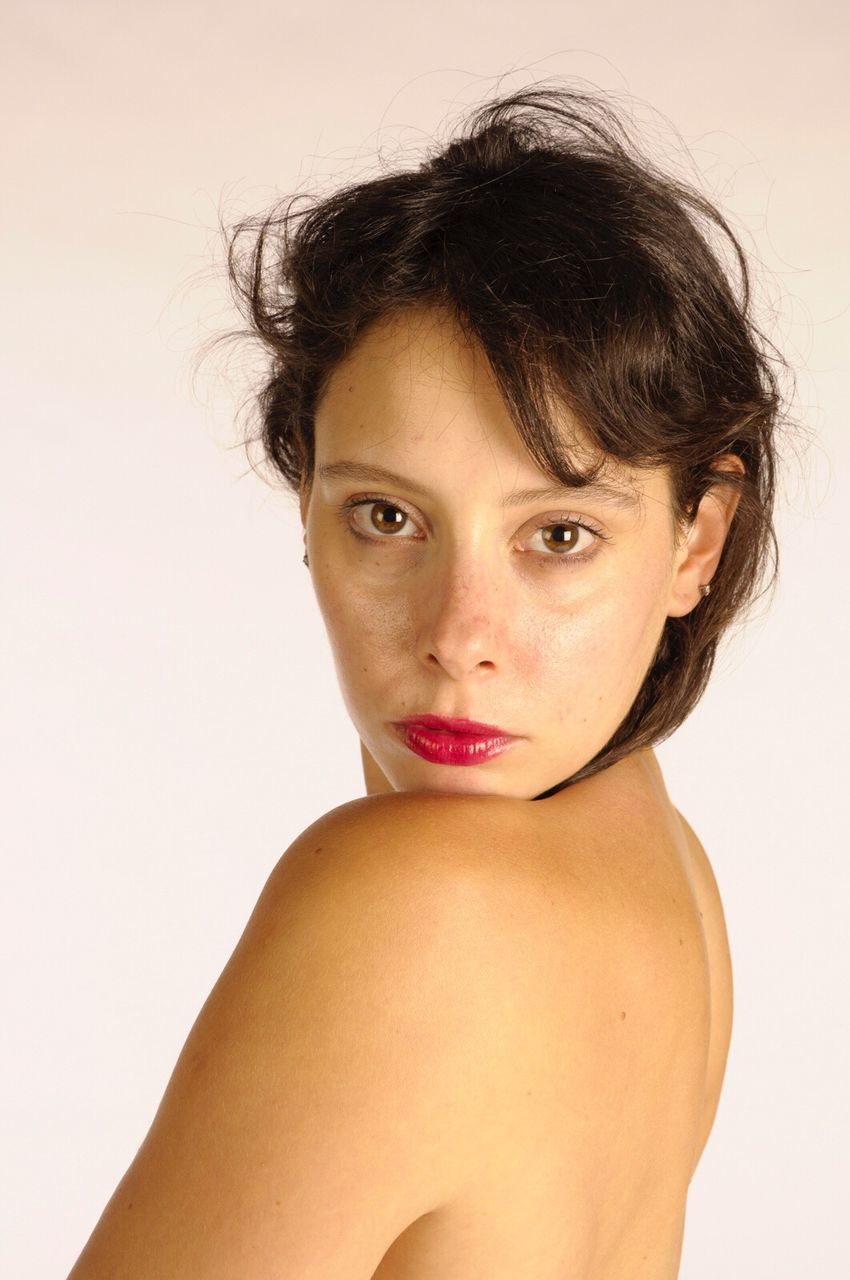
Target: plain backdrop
170, 717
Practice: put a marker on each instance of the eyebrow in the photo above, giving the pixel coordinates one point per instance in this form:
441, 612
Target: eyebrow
347, 469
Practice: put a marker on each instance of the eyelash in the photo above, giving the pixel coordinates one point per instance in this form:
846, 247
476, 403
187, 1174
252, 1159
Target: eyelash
352, 503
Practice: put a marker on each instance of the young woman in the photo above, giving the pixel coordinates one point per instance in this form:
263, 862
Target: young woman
478, 1022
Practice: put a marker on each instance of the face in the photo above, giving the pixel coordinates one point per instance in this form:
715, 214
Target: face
446, 592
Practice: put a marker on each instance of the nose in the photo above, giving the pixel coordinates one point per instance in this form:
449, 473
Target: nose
461, 622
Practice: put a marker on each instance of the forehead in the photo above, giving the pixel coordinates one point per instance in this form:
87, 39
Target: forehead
417, 368
414, 383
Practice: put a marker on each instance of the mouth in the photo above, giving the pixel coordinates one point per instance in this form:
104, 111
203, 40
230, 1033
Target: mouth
444, 740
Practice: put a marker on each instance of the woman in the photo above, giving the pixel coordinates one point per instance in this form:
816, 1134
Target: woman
530, 425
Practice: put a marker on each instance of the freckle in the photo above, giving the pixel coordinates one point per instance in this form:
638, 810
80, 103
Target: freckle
622, 1015
130, 1204
681, 944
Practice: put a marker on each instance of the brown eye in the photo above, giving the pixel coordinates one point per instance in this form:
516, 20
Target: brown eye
561, 537
384, 517
563, 543
384, 522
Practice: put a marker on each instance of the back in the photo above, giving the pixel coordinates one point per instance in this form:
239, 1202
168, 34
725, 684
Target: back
604, 1107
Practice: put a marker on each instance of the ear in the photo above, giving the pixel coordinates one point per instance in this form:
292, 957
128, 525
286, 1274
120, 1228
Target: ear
699, 550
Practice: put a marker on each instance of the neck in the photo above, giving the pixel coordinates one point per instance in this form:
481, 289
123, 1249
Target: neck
376, 782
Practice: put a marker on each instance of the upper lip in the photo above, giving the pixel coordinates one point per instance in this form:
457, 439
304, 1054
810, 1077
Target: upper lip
455, 725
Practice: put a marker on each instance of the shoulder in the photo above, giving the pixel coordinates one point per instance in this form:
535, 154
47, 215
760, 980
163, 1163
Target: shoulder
408, 884
336, 1079
437, 926
390, 863
389, 877
414, 836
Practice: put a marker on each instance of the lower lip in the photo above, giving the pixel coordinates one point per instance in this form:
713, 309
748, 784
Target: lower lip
440, 746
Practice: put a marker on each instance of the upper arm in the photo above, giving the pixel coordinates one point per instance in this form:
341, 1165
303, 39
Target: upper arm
322, 1100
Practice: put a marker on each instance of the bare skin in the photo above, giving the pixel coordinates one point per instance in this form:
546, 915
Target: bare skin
459, 1037
625, 1065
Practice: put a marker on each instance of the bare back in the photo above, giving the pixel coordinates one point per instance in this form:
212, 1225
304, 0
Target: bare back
608, 1102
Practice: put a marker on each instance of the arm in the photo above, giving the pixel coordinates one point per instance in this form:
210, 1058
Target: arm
320, 1103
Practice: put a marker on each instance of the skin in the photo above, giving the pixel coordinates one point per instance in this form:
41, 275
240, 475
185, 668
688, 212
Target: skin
471, 609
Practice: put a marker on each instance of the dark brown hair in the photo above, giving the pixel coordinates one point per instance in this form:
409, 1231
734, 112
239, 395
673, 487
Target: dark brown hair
589, 277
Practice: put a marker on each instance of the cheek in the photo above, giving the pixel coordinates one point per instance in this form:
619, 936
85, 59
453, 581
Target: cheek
597, 652
363, 629
628, 630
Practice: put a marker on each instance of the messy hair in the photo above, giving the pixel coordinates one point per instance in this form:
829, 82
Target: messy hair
592, 280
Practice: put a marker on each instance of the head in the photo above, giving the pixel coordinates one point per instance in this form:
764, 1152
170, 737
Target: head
533, 308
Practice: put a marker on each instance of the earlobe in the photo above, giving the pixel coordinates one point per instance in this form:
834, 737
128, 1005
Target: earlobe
700, 551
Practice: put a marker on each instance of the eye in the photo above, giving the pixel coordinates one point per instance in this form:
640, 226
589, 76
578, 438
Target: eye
562, 537
386, 518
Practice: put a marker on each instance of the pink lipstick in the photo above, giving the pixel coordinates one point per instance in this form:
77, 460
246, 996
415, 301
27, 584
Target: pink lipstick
444, 740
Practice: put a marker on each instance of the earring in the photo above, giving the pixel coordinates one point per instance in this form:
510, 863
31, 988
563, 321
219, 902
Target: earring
705, 587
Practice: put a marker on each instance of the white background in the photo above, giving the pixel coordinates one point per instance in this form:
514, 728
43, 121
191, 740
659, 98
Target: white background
171, 719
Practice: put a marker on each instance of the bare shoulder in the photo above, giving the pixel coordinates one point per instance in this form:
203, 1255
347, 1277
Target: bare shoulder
416, 881
404, 845
325, 1097
439, 822
478, 856
540, 922
566, 945
398, 872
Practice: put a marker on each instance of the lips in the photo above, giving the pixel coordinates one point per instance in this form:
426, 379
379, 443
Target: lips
443, 740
